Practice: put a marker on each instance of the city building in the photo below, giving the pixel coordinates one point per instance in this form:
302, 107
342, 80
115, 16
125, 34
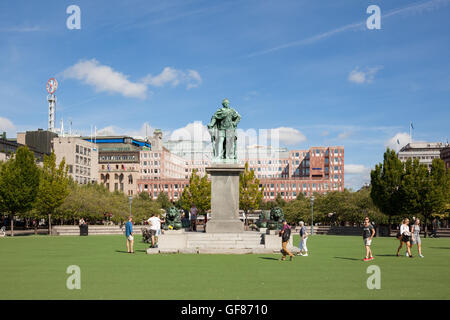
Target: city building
445, 156
119, 161
425, 152
284, 172
80, 156
10, 146
40, 140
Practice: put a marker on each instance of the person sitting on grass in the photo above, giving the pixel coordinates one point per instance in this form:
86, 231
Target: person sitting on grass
129, 234
368, 233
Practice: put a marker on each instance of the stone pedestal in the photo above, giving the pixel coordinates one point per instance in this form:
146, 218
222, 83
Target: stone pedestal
224, 199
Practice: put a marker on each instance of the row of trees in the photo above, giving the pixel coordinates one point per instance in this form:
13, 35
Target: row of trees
410, 188
397, 189
29, 190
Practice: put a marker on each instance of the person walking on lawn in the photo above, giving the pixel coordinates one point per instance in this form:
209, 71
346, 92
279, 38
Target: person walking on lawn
368, 233
285, 235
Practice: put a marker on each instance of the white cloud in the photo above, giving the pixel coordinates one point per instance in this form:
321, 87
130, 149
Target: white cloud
194, 131
7, 126
21, 29
360, 77
105, 79
288, 136
145, 129
356, 176
410, 9
354, 168
108, 131
398, 141
344, 135
174, 77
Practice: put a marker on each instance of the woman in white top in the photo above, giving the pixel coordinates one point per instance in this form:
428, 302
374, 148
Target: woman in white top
415, 233
405, 236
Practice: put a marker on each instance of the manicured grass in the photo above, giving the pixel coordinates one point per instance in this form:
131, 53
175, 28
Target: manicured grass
35, 268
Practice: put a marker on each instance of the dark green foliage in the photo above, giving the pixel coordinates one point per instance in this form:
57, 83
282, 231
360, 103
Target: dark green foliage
19, 181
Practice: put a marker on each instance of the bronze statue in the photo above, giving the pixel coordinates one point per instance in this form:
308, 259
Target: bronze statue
223, 133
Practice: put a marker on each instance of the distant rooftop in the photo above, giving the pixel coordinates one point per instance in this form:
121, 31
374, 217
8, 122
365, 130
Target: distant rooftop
423, 145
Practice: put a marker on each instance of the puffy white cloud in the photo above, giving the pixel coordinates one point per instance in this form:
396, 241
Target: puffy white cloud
360, 77
7, 126
287, 135
174, 77
356, 176
355, 169
108, 131
145, 129
105, 79
398, 141
194, 131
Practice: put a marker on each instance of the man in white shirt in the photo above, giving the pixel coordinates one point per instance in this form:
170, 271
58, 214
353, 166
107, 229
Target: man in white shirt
155, 227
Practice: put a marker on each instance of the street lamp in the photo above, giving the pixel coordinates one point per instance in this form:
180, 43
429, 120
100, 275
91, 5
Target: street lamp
312, 215
130, 199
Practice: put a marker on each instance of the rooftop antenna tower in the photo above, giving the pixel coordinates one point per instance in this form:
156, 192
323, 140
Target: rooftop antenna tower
52, 85
62, 128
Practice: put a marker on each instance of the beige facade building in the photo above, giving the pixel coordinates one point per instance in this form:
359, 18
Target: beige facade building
425, 152
81, 157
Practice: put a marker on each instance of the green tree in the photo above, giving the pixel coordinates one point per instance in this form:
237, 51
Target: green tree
198, 193
53, 187
250, 195
386, 180
280, 202
144, 206
297, 210
425, 191
163, 200
19, 181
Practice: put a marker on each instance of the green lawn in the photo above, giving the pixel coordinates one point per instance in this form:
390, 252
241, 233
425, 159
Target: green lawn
35, 268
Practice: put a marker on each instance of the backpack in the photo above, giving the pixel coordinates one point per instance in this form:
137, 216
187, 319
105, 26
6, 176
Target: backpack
286, 235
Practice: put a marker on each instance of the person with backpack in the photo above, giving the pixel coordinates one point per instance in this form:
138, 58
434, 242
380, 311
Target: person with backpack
303, 237
285, 235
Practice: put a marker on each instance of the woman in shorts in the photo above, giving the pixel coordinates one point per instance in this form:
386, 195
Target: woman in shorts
405, 237
415, 232
368, 234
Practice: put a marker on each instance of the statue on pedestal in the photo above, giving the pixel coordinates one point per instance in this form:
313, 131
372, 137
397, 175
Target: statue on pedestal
223, 133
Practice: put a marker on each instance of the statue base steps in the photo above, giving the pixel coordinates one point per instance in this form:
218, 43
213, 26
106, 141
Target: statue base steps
219, 243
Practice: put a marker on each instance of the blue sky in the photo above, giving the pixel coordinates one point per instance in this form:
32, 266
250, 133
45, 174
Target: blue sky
311, 68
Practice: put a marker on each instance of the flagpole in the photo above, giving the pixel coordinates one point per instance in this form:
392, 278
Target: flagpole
410, 137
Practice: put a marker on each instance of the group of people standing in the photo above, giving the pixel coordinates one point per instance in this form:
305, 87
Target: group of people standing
410, 237
406, 235
285, 234
155, 230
